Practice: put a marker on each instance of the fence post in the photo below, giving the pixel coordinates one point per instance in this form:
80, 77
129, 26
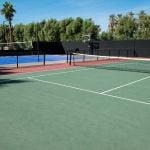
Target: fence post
70, 58
17, 59
44, 57
67, 56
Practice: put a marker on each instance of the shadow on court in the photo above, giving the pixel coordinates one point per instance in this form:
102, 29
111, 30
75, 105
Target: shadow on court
4, 82
6, 71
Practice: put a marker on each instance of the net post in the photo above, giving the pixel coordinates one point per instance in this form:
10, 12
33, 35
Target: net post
83, 58
44, 57
73, 59
17, 59
67, 56
70, 59
97, 59
37, 45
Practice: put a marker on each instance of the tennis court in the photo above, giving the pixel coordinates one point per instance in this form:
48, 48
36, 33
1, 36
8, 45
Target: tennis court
80, 108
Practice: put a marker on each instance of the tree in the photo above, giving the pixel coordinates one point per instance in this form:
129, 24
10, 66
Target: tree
1, 34
8, 11
143, 22
90, 28
130, 14
3, 31
77, 28
51, 30
18, 33
29, 32
106, 36
40, 32
68, 29
112, 23
125, 28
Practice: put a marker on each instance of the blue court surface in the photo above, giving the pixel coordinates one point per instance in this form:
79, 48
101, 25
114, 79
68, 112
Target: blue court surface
30, 59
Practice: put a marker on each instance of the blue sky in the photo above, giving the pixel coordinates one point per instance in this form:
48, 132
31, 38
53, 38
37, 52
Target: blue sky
99, 10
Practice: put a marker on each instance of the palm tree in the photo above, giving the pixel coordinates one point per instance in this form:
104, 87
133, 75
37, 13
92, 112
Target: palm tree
8, 12
130, 14
112, 23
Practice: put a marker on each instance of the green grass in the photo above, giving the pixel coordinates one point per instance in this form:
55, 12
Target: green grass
64, 113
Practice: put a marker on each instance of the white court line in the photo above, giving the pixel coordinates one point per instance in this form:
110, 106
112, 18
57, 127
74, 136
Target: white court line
50, 74
127, 99
63, 85
64, 72
94, 92
130, 83
41, 71
57, 73
109, 65
89, 91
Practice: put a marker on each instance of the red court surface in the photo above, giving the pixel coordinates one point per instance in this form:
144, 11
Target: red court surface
30, 69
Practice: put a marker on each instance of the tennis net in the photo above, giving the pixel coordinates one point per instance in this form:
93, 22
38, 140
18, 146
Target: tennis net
131, 64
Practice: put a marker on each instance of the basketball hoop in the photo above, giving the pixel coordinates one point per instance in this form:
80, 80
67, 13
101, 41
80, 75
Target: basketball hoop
86, 38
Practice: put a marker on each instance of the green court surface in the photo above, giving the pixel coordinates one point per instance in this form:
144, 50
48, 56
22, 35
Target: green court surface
75, 109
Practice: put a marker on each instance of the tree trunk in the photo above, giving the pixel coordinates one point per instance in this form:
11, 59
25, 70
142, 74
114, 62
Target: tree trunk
10, 32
